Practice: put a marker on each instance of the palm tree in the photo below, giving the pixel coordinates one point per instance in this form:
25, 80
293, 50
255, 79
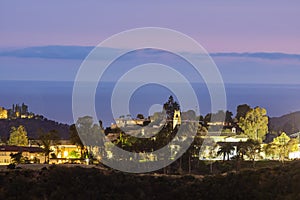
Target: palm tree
225, 149
193, 151
253, 150
241, 150
47, 139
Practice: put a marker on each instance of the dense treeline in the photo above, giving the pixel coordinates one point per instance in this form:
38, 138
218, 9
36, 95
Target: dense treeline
57, 182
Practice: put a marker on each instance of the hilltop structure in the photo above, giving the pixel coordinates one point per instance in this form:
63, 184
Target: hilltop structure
16, 112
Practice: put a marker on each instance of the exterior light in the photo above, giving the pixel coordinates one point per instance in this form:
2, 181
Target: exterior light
66, 154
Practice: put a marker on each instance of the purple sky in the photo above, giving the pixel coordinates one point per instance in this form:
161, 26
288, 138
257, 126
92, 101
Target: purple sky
237, 26
219, 26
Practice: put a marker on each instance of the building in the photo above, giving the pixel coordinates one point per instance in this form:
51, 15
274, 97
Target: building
31, 154
65, 153
176, 118
3, 113
124, 122
62, 151
218, 140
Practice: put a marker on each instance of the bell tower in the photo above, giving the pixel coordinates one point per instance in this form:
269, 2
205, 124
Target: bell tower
176, 118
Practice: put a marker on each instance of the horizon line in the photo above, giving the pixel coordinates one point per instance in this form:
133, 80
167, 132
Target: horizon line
10, 49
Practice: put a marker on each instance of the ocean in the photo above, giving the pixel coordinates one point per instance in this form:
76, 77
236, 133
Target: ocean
53, 99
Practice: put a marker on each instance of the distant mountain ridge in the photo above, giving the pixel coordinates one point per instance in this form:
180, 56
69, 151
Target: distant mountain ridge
263, 55
80, 52
50, 52
289, 123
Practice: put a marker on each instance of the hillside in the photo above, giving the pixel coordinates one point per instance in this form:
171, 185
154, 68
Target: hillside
33, 126
58, 182
289, 123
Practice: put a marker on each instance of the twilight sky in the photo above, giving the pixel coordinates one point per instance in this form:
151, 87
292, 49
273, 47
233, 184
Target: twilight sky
220, 26
256, 26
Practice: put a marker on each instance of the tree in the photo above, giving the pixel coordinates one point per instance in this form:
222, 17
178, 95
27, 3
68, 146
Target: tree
18, 136
282, 146
90, 132
188, 128
17, 158
219, 116
224, 119
241, 150
193, 151
170, 106
157, 118
281, 143
228, 117
101, 125
207, 119
242, 110
74, 154
48, 139
75, 139
202, 130
24, 109
222, 116
253, 150
271, 150
255, 124
3, 139
209, 152
225, 149
140, 116
126, 141
91, 135
292, 145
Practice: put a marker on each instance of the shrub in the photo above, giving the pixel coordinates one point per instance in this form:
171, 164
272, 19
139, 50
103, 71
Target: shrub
11, 166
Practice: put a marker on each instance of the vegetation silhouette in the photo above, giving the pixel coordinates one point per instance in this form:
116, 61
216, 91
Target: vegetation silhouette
58, 182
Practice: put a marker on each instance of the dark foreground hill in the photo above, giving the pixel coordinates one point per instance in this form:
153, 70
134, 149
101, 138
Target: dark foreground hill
57, 182
288, 123
33, 127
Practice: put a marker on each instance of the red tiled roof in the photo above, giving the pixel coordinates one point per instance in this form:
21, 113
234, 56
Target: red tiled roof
21, 149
